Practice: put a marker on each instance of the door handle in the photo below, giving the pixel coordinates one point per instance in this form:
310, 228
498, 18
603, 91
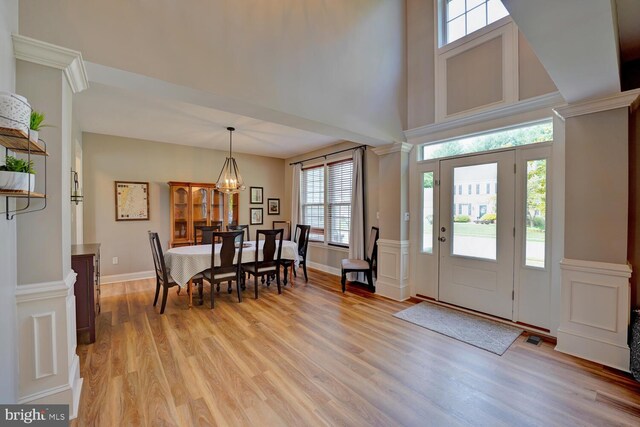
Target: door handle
442, 239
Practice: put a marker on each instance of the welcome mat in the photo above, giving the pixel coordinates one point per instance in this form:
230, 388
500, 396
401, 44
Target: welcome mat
477, 331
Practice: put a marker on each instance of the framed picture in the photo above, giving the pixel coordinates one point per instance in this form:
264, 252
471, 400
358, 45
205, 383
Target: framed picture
256, 195
132, 201
273, 206
255, 216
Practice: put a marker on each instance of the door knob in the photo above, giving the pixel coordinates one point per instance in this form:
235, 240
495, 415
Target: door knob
442, 239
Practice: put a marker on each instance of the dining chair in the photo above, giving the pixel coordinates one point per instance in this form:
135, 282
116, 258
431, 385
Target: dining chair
235, 227
362, 265
286, 226
227, 270
271, 256
301, 237
163, 278
205, 233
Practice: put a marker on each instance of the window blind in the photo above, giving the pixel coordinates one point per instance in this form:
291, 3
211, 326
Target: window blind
339, 185
312, 201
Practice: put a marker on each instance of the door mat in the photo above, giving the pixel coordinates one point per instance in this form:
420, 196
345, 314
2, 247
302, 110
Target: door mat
477, 331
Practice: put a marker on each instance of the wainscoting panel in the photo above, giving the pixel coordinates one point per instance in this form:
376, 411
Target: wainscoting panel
393, 269
595, 311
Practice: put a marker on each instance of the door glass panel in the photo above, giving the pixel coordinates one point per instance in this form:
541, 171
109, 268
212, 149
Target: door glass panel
536, 213
427, 212
474, 224
180, 207
200, 202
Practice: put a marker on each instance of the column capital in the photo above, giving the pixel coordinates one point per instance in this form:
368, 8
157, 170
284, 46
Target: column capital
403, 147
50, 55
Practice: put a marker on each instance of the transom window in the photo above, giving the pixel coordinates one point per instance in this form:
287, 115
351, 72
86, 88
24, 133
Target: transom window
462, 17
326, 199
493, 140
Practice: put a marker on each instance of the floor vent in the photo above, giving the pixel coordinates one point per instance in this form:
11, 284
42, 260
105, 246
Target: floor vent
534, 339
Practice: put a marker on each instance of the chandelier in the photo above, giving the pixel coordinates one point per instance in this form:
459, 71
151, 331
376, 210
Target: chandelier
229, 180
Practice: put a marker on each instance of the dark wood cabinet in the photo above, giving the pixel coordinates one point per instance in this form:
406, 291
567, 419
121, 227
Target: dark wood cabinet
85, 261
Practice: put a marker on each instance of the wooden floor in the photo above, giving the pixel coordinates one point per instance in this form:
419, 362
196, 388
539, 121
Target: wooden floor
313, 356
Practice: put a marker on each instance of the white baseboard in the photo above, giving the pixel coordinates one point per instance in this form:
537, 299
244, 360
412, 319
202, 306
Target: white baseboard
127, 277
606, 353
324, 268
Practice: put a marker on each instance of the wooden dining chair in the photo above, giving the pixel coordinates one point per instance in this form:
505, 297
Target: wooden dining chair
286, 226
362, 265
205, 233
301, 237
235, 227
227, 270
163, 279
271, 257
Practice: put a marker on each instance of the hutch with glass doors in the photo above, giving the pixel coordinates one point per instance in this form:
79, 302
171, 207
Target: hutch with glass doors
198, 204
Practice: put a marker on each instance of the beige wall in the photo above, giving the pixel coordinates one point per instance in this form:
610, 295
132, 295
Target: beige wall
421, 42
340, 63
634, 205
8, 274
421, 46
596, 187
109, 158
327, 255
533, 79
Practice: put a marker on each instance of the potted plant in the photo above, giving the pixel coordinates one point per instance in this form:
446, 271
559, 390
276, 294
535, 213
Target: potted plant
36, 122
17, 174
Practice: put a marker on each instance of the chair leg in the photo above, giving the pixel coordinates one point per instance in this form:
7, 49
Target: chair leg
201, 292
165, 295
155, 299
229, 286
238, 287
343, 280
304, 268
278, 279
293, 267
212, 292
370, 278
255, 285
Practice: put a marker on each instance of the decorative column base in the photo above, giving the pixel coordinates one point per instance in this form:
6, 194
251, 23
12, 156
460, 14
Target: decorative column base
49, 368
595, 312
393, 269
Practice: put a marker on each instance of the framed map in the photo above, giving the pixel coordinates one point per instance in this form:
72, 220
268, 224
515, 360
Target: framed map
132, 201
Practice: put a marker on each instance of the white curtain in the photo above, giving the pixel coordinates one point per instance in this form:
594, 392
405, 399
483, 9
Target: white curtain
295, 197
356, 230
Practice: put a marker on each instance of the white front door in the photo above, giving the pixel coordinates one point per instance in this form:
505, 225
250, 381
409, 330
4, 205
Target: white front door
476, 232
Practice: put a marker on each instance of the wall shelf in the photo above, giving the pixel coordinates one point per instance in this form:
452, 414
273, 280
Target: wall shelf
18, 141
22, 194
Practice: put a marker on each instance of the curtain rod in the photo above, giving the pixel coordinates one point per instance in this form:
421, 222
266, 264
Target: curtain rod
328, 154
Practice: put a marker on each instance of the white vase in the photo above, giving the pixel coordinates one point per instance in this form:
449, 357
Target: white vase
17, 181
33, 135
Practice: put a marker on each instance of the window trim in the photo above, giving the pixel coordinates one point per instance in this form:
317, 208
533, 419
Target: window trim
325, 164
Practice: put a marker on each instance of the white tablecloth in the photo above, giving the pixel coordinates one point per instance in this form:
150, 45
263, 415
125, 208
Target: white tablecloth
186, 261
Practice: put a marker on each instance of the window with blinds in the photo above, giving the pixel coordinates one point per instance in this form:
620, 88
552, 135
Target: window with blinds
326, 199
339, 195
312, 201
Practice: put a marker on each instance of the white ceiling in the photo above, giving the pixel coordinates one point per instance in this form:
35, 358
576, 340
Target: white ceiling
114, 111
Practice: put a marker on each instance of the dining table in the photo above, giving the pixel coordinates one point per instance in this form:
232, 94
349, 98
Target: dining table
185, 262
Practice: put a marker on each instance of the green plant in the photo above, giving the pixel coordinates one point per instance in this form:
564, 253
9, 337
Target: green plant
36, 120
17, 165
538, 222
462, 218
488, 217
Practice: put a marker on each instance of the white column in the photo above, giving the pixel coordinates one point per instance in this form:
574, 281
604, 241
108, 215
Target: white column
49, 369
393, 246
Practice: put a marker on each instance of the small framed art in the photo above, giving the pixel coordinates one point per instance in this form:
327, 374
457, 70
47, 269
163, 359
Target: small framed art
256, 195
273, 206
255, 216
132, 201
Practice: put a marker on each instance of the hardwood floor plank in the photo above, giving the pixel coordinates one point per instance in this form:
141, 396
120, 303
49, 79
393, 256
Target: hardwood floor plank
314, 356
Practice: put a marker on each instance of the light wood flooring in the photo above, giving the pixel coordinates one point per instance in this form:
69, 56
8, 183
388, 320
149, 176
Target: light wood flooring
313, 356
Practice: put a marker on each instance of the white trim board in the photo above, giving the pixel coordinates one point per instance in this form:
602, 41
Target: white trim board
127, 277
324, 268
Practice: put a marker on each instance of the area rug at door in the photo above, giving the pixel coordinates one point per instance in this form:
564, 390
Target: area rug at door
477, 331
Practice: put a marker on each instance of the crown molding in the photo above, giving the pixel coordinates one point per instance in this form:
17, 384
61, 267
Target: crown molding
528, 105
396, 147
627, 99
50, 55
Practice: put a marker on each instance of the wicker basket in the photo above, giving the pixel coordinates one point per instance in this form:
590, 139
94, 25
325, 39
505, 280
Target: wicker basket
15, 111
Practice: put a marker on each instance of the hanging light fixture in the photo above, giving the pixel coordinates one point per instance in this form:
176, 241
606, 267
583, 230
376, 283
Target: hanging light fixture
229, 180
